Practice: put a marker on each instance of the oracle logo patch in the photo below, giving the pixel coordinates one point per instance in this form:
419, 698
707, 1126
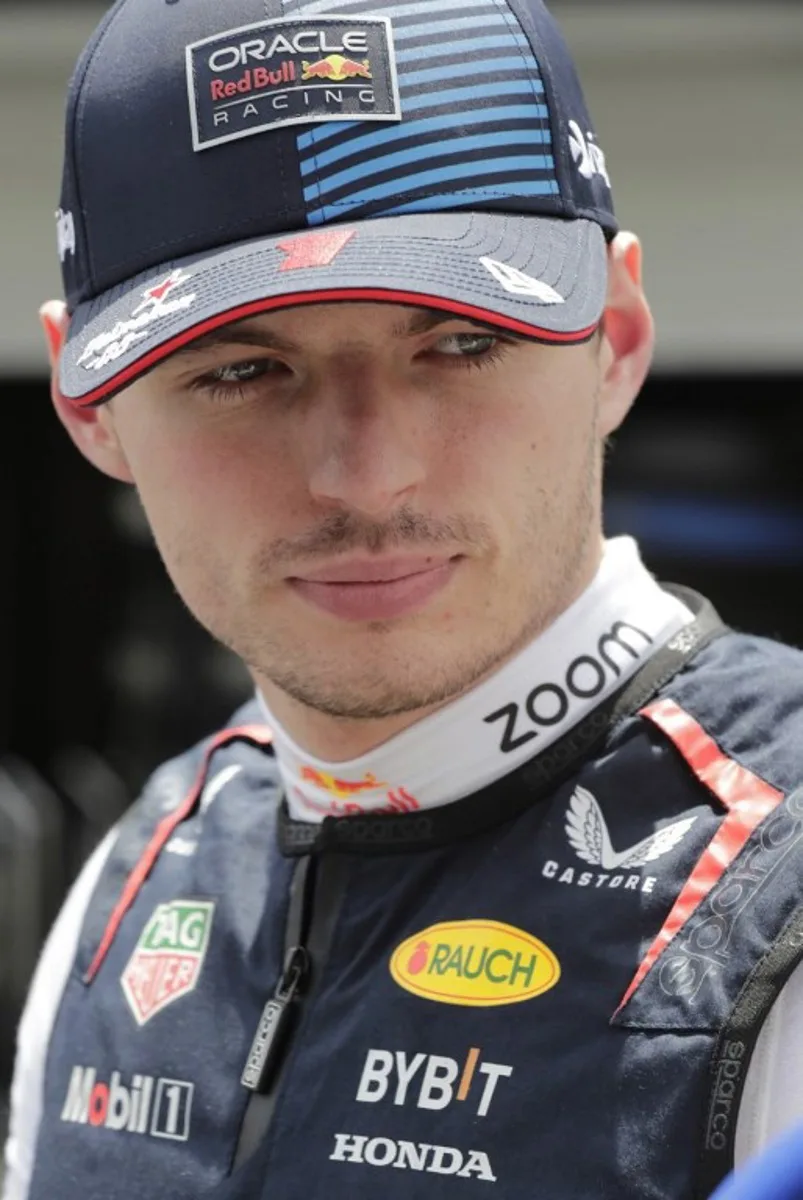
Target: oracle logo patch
292, 71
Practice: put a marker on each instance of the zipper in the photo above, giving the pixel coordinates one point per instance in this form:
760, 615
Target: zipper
316, 895
278, 1015
276, 1022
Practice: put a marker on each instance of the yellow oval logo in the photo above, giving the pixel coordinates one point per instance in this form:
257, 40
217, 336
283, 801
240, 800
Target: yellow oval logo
477, 963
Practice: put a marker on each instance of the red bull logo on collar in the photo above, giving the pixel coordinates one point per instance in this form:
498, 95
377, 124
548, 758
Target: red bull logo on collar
342, 788
351, 797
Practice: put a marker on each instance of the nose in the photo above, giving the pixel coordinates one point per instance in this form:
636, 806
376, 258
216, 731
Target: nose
365, 445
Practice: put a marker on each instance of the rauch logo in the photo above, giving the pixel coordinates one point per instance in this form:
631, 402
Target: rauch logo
168, 957
474, 963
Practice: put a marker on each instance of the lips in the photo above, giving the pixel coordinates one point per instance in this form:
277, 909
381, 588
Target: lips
374, 570
375, 589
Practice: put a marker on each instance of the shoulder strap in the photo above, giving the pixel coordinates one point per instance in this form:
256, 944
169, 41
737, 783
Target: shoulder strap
734, 1049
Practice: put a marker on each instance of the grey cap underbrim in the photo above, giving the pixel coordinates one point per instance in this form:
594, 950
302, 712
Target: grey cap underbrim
542, 277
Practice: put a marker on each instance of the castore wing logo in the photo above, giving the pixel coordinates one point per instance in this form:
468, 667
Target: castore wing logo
589, 838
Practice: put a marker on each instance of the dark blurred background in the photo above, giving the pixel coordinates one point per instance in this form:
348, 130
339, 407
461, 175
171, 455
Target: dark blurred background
103, 674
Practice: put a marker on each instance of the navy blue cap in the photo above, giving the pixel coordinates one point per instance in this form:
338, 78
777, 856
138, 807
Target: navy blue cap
229, 159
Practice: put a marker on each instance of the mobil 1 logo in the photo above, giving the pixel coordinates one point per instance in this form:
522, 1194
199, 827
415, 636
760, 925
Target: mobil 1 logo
291, 71
159, 1108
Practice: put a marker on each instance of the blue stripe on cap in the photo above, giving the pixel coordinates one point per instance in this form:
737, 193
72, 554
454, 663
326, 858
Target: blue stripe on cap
417, 155
508, 89
484, 92
459, 70
421, 128
441, 176
391, 10
436, 28
465, 199
502, 41
312, 137
533, 187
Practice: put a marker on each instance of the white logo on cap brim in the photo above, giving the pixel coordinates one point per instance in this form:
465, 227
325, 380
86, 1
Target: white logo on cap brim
518, 283
108, 347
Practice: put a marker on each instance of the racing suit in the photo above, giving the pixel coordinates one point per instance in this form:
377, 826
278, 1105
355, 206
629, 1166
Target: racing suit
487, 998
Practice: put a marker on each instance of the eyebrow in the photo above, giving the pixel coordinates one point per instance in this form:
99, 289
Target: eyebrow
243, 333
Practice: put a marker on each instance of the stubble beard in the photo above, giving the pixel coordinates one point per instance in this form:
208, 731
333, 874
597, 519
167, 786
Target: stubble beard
396, 682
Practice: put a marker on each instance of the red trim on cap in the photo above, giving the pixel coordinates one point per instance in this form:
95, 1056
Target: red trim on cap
376, 295
747, 799
259, 735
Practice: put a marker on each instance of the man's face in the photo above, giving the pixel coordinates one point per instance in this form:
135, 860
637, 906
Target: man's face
372, 505
449, 476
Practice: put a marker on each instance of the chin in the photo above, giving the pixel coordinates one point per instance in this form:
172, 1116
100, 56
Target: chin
386, 676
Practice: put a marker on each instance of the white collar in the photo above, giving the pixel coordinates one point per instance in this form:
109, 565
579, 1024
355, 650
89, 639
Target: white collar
599, 642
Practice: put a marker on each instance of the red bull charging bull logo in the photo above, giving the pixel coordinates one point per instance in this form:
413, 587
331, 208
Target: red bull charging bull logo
337, 68
341, 788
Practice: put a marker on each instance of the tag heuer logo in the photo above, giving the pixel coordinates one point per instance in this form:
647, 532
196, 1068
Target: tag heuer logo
168, 957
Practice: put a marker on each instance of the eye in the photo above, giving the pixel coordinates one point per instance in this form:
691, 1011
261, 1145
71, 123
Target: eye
234, 381
245, 372
467, 345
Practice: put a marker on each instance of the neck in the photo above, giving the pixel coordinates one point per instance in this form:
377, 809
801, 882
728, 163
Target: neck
337, 739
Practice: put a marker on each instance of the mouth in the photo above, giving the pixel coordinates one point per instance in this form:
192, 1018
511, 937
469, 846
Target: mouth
375, 589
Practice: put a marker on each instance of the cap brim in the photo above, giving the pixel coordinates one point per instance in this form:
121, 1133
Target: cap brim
539, 277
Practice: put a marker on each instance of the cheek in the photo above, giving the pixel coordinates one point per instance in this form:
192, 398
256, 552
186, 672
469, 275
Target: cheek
520, 444
211, 500
203, 476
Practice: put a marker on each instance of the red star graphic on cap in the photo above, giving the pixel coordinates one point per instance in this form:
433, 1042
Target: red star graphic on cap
160, 290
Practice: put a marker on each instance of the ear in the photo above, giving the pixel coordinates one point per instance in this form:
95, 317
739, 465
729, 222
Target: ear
92, 429
628, 342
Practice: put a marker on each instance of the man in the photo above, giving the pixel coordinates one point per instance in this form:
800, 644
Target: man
491, 888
